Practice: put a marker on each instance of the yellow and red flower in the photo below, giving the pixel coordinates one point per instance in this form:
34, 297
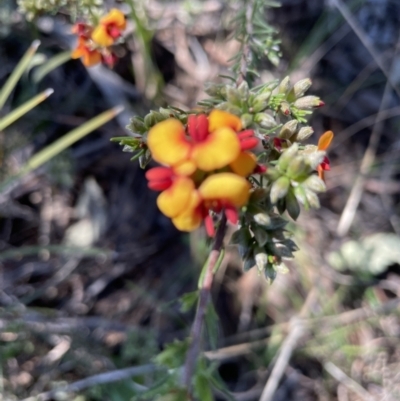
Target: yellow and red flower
206, 168
323, 144
110, 28
94, 43
85, 51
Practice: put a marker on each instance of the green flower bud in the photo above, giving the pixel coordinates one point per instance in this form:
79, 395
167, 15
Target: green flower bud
315, 184
304, 133
246, 119
265, 120
262, 219
300, 194
285, 108
284, 86
229, 108
312, 199
279, 189
298, 168
308, 102
301, 87
233, 96
261, 102
243, 90
288, 129
287, 156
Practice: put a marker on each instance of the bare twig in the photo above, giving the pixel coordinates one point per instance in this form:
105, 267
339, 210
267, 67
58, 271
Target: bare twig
204, 297
347, 381
298, 329
102, 378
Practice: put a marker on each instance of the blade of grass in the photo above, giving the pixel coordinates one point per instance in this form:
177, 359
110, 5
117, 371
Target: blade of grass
61, 144
24, 108
17, 73
50, 65
68, 139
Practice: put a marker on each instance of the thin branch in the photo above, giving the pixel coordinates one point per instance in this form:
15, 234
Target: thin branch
204, 298
102, 378
246, 49
297, 331
348, 382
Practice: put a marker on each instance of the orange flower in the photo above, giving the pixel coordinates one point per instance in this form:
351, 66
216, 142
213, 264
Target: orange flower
212, 143
323, 144
109, 28
83, 50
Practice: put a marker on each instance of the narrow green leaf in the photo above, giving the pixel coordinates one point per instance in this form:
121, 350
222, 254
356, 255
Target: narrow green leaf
69, 139
24, 108
17, 73
50, 65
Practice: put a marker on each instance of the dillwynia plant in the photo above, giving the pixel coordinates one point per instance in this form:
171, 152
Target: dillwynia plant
240, 158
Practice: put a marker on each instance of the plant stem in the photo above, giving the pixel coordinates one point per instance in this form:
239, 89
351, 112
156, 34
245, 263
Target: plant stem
246, 49
204, 298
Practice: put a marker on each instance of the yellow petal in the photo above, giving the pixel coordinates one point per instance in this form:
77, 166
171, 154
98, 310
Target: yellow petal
219, 118
176, 198
244, 164
325, 140
218, 150
101, 36
167, 142
114, 17
185, 168
227, 187
191, 218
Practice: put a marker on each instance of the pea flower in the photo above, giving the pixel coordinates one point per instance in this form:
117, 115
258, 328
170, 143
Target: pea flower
110, 28
205, 168
85, 51
212, 143
323, 144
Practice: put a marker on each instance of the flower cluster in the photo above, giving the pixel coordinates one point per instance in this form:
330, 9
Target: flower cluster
94, 43
206, 168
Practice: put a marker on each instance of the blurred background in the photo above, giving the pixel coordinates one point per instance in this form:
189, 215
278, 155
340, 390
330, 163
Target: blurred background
91, 274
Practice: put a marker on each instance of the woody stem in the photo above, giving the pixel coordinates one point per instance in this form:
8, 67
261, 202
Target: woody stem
204, 299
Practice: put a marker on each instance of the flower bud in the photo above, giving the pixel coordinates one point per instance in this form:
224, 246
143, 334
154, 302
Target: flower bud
312, 199
265, 120
279, 189
285, 108
304, 133
261, 101
288, 129
301, 87
315, 184
233, 96
297, 168
308, 102
262, 219
246, 119
287, 156
284, 86
243, 90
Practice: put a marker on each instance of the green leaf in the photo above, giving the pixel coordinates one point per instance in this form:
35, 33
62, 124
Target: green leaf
211, 323
188, 301
173, 355
15, 114
202, 388
50, 65
17, 73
